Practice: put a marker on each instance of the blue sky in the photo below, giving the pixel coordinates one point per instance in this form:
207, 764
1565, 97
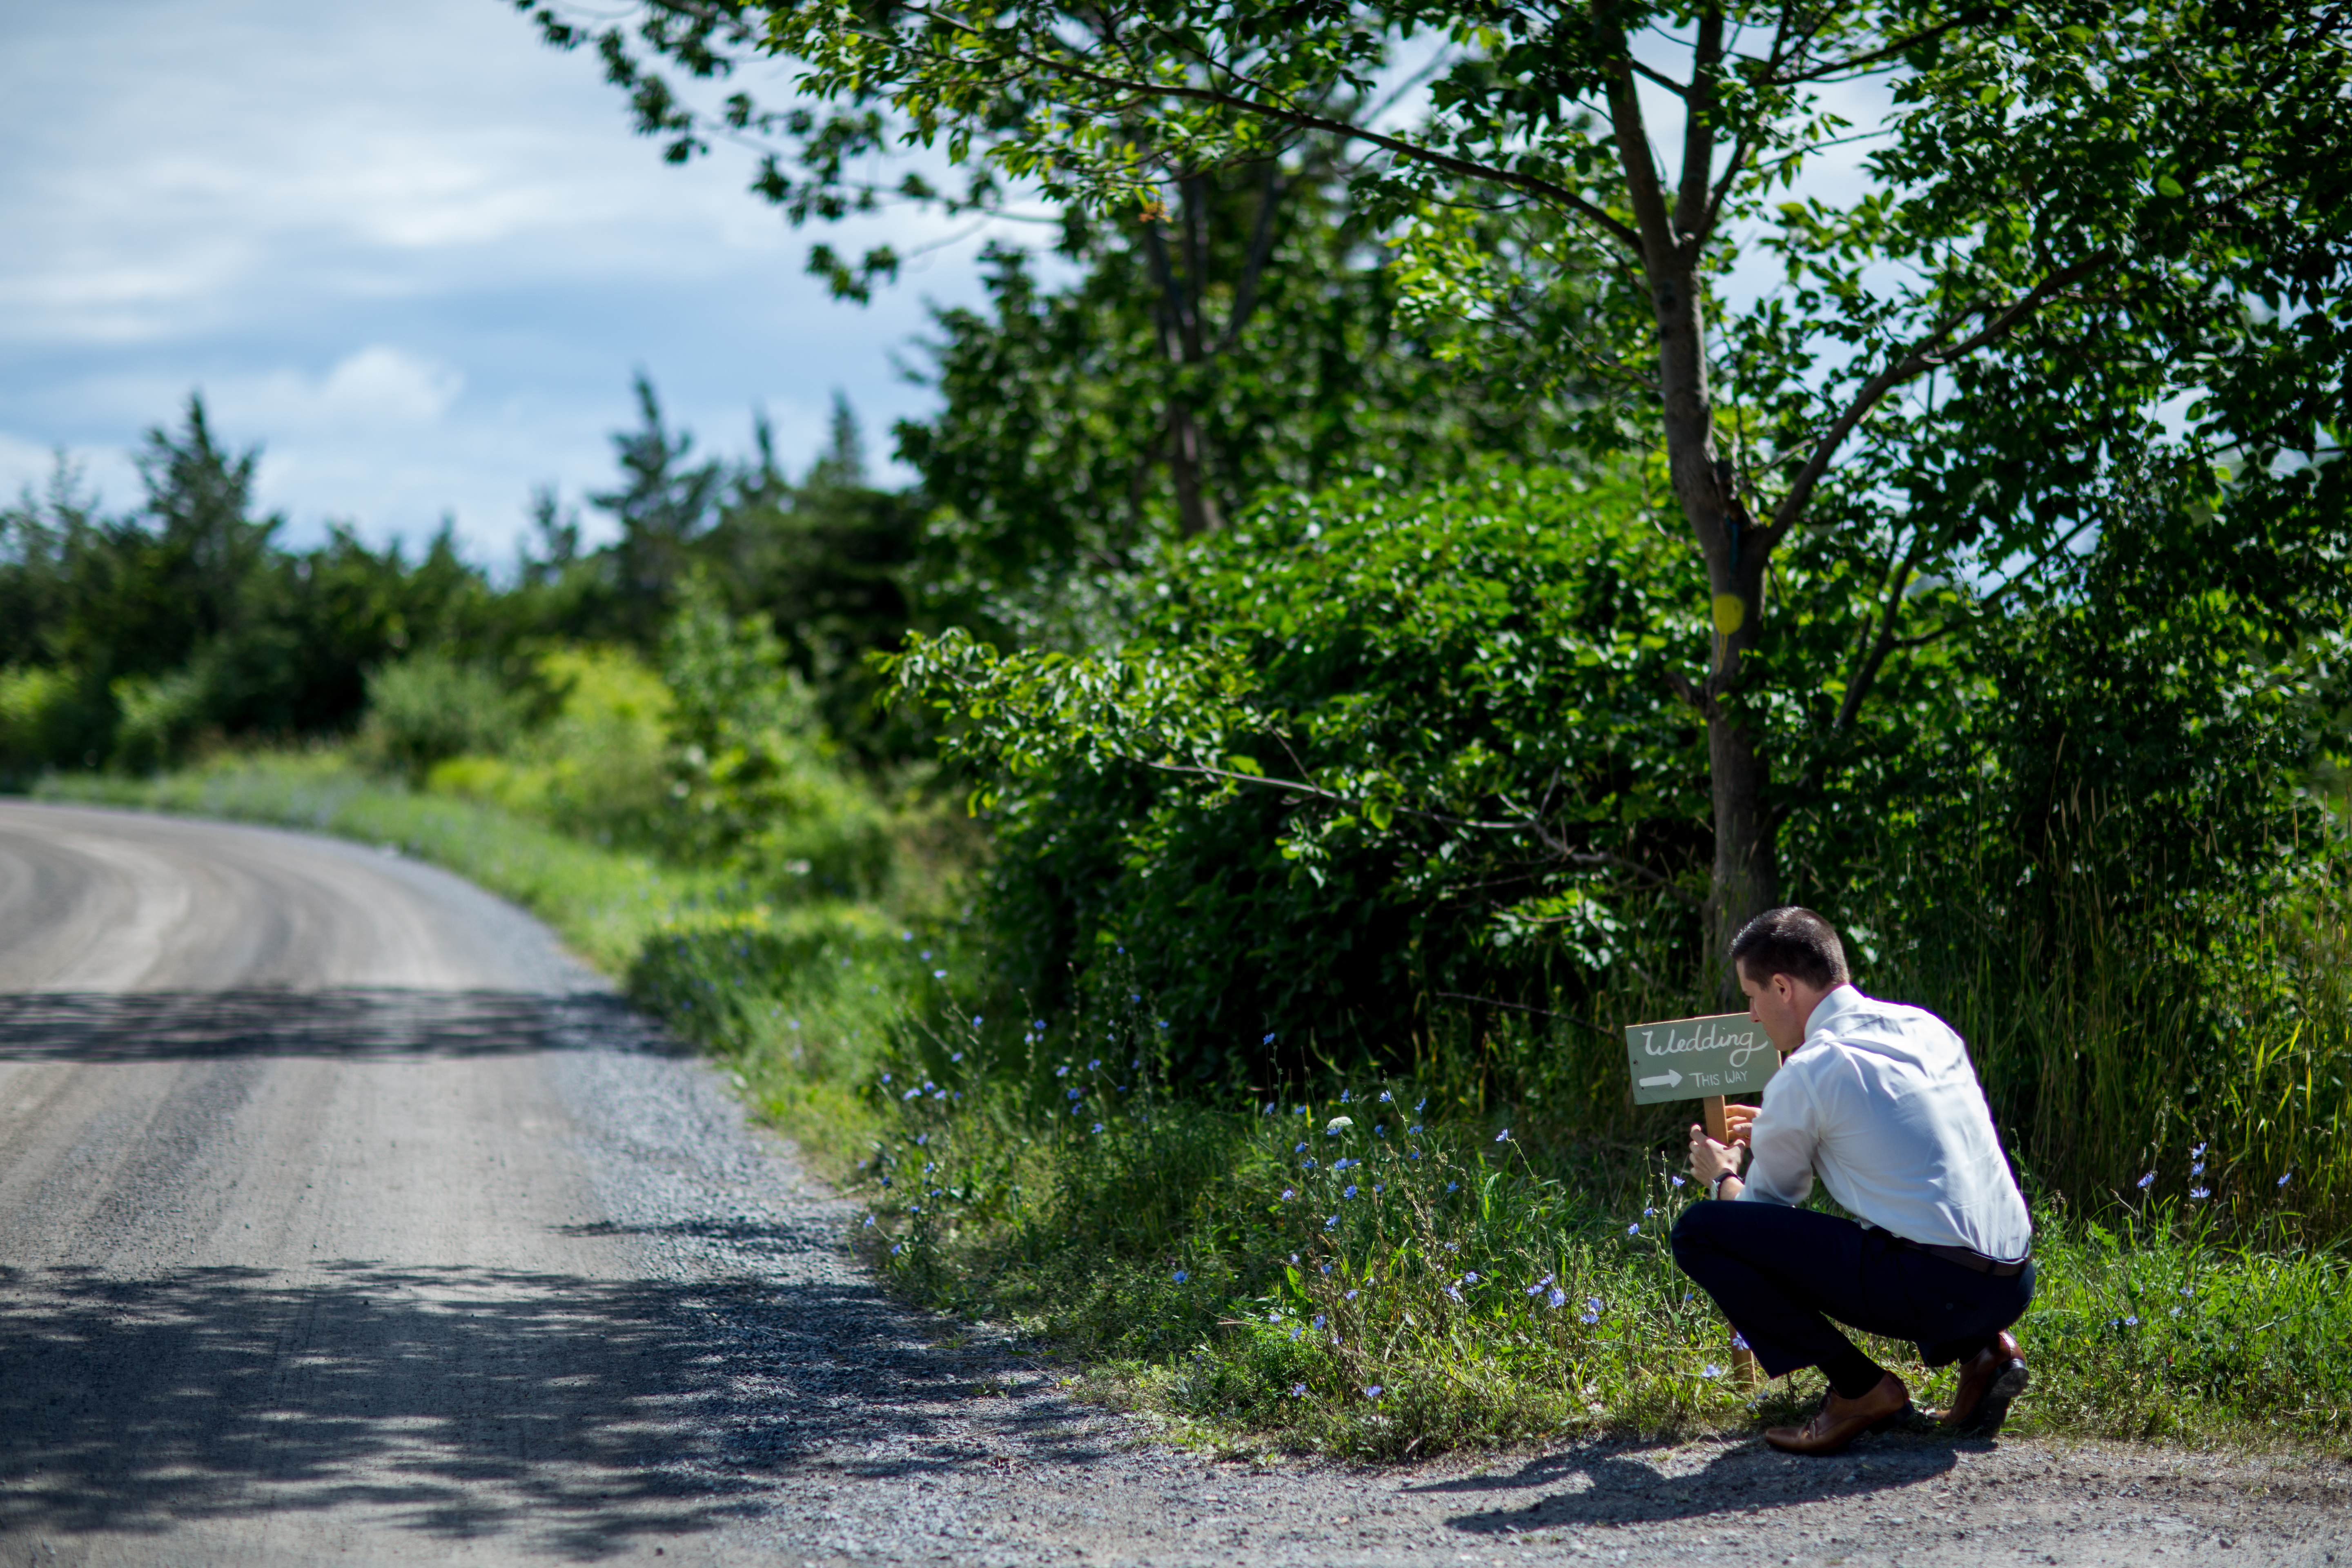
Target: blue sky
409, 249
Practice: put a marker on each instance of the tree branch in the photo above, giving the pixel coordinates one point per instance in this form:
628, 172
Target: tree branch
1270, 193
1691, 205
1888, 51
1298, 118
1858, 686
1922, 356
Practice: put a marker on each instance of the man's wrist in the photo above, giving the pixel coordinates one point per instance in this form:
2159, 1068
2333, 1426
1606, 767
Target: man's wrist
1715, 1188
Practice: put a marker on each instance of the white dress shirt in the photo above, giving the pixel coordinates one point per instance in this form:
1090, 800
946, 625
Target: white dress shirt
1882, 1103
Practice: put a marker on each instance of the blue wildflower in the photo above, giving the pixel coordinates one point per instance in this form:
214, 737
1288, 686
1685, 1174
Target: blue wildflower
1298, 1391
1385, 1097
2147, 1182
1556, 1299
1372, 1391
1318, 1319
1351, 1192
1098, 1126
1062, 1071
1288, 1193
2283, 1181
1331, 1224
869, 1222
1351, 1295
1632, 1230
1182, 1277
1504, 1136
2198, 1195
1711, 1370
1268, 1041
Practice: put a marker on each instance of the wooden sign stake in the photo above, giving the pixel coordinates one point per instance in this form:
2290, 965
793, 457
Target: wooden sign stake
1718, 1127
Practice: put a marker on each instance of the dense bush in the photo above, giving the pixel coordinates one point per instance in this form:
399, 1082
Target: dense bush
1362, 753
596, 766
428, 707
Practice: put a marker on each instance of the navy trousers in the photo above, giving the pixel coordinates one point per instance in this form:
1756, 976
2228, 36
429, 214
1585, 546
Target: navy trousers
1782, 1274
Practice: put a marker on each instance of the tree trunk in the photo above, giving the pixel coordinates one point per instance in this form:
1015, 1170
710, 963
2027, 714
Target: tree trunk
1746, 876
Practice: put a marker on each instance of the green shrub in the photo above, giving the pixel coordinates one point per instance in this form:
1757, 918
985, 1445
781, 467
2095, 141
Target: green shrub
756, 783
597, 767
161, 716
46, 720
428, 706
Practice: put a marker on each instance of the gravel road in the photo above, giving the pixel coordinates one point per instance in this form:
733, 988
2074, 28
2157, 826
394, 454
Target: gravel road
342, 1218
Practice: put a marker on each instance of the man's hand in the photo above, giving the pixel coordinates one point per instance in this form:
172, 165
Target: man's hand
1739, 1119
1709, 1158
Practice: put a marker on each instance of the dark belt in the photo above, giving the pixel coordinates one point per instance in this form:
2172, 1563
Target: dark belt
1966, 1257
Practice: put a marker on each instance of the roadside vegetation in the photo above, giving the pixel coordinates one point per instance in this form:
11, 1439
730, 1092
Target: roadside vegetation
1184, 863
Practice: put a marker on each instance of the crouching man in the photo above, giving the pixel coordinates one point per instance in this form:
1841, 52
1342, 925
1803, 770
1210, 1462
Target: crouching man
1879, 1101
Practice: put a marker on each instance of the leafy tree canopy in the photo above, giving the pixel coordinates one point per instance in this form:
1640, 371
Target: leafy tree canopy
2095, 278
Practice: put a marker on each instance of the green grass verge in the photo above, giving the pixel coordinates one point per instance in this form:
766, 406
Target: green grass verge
604, 904
1477, 1286
1355, 1274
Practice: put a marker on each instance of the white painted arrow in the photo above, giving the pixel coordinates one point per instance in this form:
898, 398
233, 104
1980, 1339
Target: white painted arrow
1668, 1081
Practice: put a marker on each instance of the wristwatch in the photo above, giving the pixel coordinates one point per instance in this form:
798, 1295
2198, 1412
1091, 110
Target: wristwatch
1715, 1188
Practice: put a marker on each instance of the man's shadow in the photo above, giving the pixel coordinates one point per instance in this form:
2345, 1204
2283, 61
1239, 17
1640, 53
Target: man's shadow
1619, 1486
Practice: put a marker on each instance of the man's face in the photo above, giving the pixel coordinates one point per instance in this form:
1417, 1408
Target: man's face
1779, 1003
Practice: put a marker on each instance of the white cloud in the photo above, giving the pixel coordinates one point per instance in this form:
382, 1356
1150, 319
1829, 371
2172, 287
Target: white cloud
408, 250
375, 389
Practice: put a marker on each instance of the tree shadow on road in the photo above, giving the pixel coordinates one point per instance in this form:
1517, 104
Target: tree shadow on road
342, 1022
558, 1413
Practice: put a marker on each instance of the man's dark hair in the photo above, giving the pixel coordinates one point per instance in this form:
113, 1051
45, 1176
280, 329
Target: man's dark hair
1793, 942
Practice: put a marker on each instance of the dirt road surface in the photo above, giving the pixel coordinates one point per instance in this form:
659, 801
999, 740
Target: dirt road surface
344, 1220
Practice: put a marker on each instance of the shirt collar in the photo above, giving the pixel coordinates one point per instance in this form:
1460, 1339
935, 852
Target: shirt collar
1841, 1000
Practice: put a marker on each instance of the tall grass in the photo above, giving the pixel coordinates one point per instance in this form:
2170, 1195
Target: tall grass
1348, 1273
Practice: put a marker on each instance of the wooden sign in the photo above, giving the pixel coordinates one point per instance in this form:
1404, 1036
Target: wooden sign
1699, 1058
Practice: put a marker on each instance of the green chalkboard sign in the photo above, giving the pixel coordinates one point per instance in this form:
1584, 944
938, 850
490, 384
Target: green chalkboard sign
1691, 1058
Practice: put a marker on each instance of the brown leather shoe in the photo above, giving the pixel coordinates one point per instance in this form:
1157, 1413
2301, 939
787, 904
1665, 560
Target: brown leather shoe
1990, 1381
1840, 1421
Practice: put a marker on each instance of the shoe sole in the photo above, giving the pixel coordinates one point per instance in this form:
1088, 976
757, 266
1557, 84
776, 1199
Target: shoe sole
1992, 1410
